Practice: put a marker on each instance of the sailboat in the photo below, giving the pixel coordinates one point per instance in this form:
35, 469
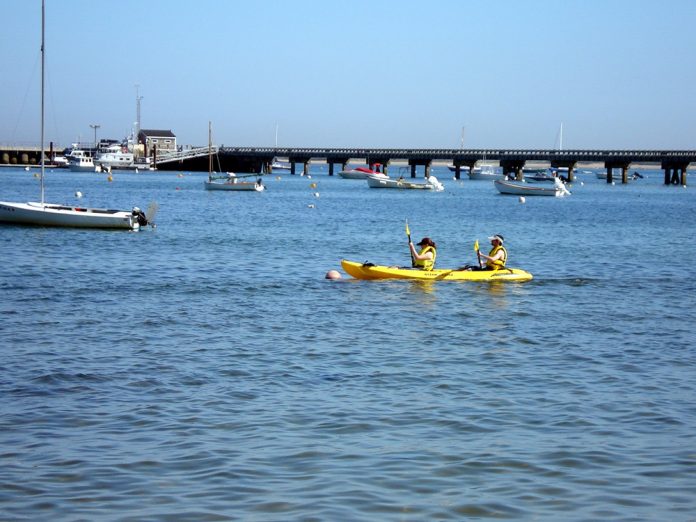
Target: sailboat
46, 214
277, 165
229, 180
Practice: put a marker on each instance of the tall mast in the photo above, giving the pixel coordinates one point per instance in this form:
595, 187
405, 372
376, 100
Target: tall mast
137, 110
210, 149
43, 52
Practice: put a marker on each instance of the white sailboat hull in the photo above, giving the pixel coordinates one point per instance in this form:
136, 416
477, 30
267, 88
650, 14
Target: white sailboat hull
239, 185
524, 189
33, 213
385, 182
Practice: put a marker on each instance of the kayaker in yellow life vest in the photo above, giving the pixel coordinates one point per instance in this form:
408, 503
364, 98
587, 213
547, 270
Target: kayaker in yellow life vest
425, 259
497, 257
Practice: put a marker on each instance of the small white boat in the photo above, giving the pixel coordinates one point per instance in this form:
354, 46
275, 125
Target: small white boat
383, 181
50, 215
277, 165
360, 173
114, 157
604, 175
232, 182
538, 176
520, 188
80, 161
485, 172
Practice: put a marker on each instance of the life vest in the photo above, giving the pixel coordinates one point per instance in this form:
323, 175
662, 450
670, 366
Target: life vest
499, 263
426, 264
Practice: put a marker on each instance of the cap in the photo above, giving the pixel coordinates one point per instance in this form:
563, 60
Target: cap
497, 237
426, 241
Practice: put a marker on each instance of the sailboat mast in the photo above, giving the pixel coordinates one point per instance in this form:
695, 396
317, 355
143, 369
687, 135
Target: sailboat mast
43, 52
560, 140
210, 149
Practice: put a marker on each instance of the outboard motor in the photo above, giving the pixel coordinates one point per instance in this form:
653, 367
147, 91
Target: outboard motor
140, 216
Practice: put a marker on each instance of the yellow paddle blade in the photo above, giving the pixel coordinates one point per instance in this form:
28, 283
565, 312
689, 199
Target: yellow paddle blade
476, 246
408, 232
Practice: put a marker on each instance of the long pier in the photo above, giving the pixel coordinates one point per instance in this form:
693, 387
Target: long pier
674, 163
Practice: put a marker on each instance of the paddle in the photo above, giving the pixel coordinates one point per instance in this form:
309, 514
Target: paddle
478, 252
408, 234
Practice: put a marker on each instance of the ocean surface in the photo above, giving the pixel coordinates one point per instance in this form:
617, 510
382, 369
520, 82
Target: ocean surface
206, 370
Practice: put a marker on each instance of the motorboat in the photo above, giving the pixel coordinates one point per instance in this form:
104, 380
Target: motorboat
538, 175
520, 188
277, 165
80, 161
382, 181
361, 173
485, 172
47, 214
114, 157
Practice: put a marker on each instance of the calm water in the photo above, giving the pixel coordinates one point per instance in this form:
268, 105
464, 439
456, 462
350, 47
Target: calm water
206, 370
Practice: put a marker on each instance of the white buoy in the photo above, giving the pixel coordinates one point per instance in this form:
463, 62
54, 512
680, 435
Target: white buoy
522, 199
311, 205
78, 194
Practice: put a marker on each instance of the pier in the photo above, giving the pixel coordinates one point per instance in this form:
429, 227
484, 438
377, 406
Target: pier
674, 163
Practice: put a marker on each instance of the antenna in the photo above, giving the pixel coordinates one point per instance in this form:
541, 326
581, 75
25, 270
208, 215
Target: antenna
137, 110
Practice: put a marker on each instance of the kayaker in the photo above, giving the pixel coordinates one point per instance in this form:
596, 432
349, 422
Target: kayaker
497, 257
425, 259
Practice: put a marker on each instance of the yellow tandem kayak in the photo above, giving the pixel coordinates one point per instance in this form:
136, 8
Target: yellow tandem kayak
370, 271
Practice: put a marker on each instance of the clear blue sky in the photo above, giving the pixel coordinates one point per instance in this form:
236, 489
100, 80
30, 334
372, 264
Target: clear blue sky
357, 73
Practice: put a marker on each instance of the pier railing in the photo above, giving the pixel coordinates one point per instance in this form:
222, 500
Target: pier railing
181, 155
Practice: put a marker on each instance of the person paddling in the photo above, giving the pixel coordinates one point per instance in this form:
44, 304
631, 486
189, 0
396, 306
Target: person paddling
496, 258
425, 258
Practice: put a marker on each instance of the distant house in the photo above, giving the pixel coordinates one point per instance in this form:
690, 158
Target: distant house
164, 140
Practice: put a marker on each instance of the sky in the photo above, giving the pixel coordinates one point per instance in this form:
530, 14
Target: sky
612, 74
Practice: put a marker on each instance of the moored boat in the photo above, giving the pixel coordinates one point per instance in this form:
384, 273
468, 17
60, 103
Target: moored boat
231, 181
114, 156
382, 181
520, 188
80, 161
369, 271
360, 173
277, 165
45, 214
488, 172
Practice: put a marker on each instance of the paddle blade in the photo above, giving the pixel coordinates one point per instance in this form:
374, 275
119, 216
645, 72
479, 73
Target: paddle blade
476, 246
408, 232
